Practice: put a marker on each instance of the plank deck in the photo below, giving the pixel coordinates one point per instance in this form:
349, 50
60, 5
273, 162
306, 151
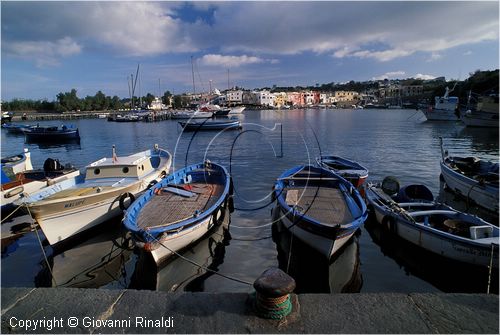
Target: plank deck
325, 204
168, 208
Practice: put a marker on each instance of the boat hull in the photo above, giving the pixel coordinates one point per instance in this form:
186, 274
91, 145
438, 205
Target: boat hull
441, 115
72, 135
438, 242
66, 218
236, 110
75, 205
483, 195
196, 215
354, 172
481, 119
326, 246
169, 243
210, 126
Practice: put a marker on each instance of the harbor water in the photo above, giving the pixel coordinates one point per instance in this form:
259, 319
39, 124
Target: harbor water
396, 143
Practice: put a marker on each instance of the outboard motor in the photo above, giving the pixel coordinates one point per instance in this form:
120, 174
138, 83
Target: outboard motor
51, 165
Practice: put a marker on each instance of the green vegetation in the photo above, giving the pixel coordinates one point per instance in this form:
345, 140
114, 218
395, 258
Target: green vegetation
479, 82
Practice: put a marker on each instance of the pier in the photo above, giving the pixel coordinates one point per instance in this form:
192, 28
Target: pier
71, 310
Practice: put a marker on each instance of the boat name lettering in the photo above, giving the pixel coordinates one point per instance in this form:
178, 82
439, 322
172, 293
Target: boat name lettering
74, 204
471, 251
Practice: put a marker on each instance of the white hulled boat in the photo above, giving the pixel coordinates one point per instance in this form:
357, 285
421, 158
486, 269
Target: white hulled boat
445, 108
108, 186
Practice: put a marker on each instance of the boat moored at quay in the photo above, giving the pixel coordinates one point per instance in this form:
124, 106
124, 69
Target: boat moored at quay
180, 209
106, 188
319, 207
254, 172
435, 227
472, 178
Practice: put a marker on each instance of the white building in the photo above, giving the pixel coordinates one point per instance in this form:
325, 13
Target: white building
234, 97
266, 98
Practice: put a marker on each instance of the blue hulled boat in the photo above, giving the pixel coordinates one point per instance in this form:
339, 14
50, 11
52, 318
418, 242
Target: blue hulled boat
319, 207
53, 134
348, 169
180, 209
210, 125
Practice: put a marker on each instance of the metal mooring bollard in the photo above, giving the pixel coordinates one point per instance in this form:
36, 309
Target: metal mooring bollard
273, 289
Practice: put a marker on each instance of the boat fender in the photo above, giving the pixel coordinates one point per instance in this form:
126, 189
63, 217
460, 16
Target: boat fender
14, 192
124, 197
152, 183
230, 204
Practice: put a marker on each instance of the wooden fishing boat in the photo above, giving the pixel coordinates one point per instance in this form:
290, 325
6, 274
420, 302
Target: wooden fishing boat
473, 178
29, 181
437, 228
180, 209
319, 207
348, 169
51, 134
210, 125
108, 186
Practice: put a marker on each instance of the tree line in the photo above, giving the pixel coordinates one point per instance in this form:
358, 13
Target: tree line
479, 82
69, 102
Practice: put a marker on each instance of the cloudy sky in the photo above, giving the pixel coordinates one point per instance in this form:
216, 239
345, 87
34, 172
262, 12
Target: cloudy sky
50, 47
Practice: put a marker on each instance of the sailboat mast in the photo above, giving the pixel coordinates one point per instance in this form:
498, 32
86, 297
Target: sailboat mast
192, 74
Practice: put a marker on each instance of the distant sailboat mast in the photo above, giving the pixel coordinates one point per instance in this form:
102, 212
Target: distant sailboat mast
192, 74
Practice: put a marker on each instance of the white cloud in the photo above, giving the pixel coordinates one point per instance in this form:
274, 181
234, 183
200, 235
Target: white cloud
424, 76
233, 61
382, 31
45, 53
390, 75
434, 56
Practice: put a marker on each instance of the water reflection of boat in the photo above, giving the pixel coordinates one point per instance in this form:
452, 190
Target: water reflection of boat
93, 263
176, 273
313, 273
12, 230
445, 274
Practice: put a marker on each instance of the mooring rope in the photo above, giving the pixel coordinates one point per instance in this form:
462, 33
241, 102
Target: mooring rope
12, 213
272, 308
41, 247
199, 265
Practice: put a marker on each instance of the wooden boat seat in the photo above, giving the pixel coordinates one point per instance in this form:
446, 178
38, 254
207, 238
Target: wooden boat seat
168, 208
324, 204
